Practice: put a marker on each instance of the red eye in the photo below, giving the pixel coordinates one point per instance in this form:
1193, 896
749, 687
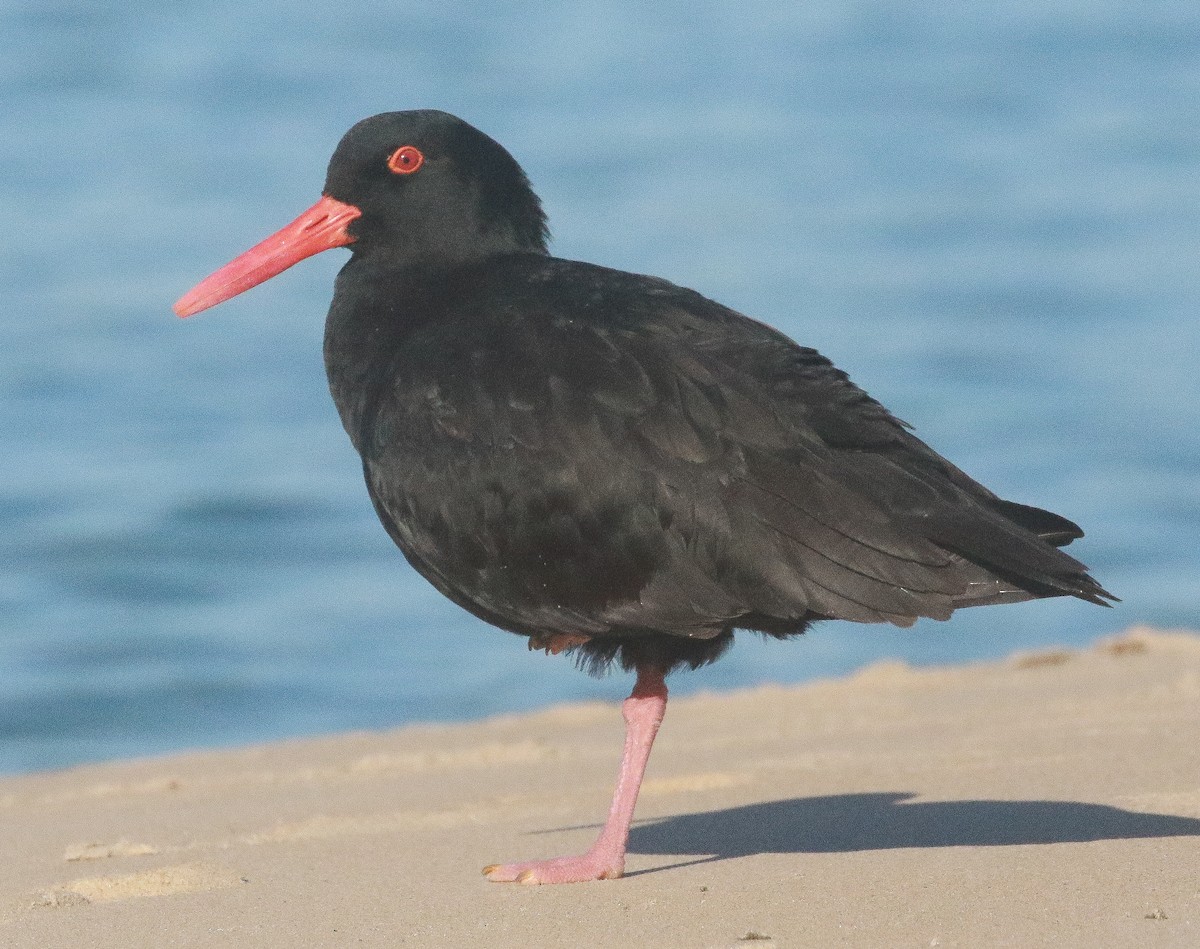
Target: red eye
405, 160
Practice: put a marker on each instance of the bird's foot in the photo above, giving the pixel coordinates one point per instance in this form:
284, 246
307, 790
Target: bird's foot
593, 865
605, 859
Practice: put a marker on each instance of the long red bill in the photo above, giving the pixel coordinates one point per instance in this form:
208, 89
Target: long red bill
319, 228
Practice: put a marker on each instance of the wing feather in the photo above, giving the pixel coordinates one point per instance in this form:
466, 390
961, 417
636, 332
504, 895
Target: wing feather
681, 471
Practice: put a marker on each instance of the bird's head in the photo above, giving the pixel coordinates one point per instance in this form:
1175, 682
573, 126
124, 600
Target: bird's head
423, 188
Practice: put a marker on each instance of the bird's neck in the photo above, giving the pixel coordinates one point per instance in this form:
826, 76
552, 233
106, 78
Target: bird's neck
373, 309
433, 241
377, 306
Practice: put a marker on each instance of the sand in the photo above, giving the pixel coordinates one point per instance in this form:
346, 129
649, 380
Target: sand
1048, 800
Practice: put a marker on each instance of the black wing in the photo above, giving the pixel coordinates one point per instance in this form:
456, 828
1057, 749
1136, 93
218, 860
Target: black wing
618, 457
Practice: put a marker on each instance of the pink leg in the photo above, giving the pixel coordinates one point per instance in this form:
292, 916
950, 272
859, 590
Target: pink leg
643, 712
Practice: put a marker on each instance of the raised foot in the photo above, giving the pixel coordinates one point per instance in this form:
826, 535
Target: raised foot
587, 866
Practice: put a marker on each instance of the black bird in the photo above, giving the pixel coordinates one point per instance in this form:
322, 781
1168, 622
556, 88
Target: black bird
611, 465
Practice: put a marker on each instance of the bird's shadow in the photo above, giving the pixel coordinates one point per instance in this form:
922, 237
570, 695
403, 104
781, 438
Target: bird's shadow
844, 823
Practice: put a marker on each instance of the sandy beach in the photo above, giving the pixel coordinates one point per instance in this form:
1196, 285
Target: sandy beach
1052, 799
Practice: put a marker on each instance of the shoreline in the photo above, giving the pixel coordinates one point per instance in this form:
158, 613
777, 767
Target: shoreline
1052, 798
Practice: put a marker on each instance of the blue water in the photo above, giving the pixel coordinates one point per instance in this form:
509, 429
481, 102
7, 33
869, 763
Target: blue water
989, 214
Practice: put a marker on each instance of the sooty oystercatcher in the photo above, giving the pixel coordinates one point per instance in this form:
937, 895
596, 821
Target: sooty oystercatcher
611, 465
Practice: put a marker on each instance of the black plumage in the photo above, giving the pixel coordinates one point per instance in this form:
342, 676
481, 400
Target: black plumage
610, 464
562, 448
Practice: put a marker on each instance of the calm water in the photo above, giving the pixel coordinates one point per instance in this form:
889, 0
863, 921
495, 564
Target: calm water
989, 216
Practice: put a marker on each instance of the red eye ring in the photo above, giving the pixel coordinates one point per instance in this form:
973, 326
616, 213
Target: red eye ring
405, 160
